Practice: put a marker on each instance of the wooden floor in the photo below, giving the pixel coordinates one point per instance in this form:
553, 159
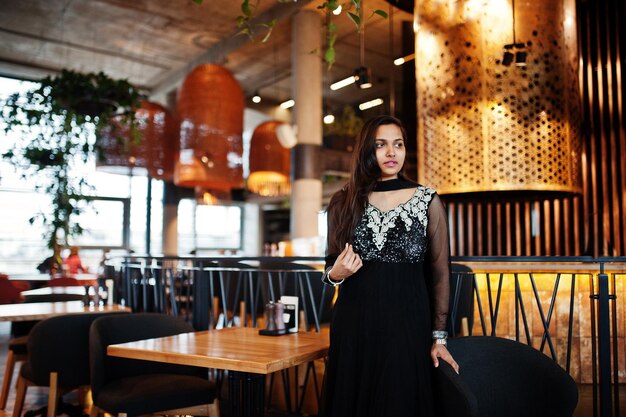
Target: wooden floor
37, 397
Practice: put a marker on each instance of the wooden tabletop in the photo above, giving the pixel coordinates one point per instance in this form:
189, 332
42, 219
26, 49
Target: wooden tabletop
235, 348
41, 311
55, 290
47, 277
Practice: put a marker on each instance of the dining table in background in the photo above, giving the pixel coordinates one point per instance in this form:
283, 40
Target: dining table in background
247, 356
41, 311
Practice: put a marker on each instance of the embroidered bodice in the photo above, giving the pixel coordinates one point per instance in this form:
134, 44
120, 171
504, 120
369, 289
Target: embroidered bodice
396, 235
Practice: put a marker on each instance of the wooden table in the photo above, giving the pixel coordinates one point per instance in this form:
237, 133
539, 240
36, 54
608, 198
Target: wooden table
47, 277
240, 350
41, 311
55, 290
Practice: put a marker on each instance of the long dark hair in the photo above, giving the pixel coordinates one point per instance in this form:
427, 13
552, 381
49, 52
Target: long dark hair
347, 205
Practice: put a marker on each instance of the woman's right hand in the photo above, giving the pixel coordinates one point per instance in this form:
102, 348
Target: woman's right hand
347, 263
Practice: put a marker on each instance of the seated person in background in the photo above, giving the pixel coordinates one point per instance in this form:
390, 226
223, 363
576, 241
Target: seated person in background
52, 264
73, 262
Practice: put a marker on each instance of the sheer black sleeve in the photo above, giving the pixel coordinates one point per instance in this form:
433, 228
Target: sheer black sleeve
331, 253
439, 259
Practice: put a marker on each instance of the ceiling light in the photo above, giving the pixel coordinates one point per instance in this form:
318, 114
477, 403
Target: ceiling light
287, 104
507, 58
371, 103
520, 58
363, 77
399, 61
329, 119
256, 98
337, 11
343, 83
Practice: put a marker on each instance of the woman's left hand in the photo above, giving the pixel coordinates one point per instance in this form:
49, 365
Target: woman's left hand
441, 352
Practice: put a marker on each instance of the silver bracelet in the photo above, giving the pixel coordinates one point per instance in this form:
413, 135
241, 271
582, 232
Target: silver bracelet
440, 342
440, 334
326, 278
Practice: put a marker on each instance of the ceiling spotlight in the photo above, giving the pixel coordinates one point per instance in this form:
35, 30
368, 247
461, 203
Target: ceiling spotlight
363, 77
399, 61
371, 103
329, 119
520, 58
256, 98
507, 59
288, 104
343, 83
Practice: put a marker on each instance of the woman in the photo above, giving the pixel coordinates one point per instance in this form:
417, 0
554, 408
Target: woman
388, 249
73, 263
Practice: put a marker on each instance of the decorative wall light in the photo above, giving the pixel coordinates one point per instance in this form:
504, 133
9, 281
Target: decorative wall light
270, 161
152, 152
210, 106
483, 126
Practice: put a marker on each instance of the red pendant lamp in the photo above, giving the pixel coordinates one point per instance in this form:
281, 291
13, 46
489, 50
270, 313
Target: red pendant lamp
210, 107
153, 151
270, 162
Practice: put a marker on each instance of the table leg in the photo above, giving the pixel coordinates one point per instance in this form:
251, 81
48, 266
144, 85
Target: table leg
247, 394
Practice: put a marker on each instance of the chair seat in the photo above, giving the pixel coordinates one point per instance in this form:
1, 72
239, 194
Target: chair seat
147, 394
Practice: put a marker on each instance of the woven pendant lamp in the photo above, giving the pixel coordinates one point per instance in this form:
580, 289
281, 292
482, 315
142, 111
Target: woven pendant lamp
210, 107
270, 162
152, 152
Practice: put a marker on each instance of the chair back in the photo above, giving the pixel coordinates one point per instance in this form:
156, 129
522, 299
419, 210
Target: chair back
501, 377
461, 298
114, 329
60, 344
9, 294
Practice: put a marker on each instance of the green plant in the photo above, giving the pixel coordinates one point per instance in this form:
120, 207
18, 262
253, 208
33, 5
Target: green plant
58, 125
248, 26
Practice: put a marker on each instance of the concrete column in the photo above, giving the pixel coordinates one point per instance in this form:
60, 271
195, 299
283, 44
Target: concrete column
306, 197
170, 199
170, 219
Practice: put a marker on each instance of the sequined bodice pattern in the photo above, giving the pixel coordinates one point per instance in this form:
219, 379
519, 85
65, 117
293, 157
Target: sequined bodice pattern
396, 235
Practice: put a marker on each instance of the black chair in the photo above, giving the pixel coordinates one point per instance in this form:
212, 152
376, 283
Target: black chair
17, 353
461, 300
58, 358
500, 377
19, 337
135, 387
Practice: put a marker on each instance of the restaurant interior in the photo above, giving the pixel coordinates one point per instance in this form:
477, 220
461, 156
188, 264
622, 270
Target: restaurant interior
166, 168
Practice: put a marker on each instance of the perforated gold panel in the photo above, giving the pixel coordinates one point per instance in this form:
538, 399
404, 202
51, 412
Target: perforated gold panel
484, 126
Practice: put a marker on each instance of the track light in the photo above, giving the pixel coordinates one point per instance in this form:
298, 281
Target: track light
343, 83
519, 55
287, 104
520, 58
507, 59
363, 77
256, 98
371, 103
402, 60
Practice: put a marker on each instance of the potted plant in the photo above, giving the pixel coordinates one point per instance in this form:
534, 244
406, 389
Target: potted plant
58, 125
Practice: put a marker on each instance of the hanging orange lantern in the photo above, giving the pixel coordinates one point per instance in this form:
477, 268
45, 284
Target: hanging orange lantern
152, 152
270, 162
210, 106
